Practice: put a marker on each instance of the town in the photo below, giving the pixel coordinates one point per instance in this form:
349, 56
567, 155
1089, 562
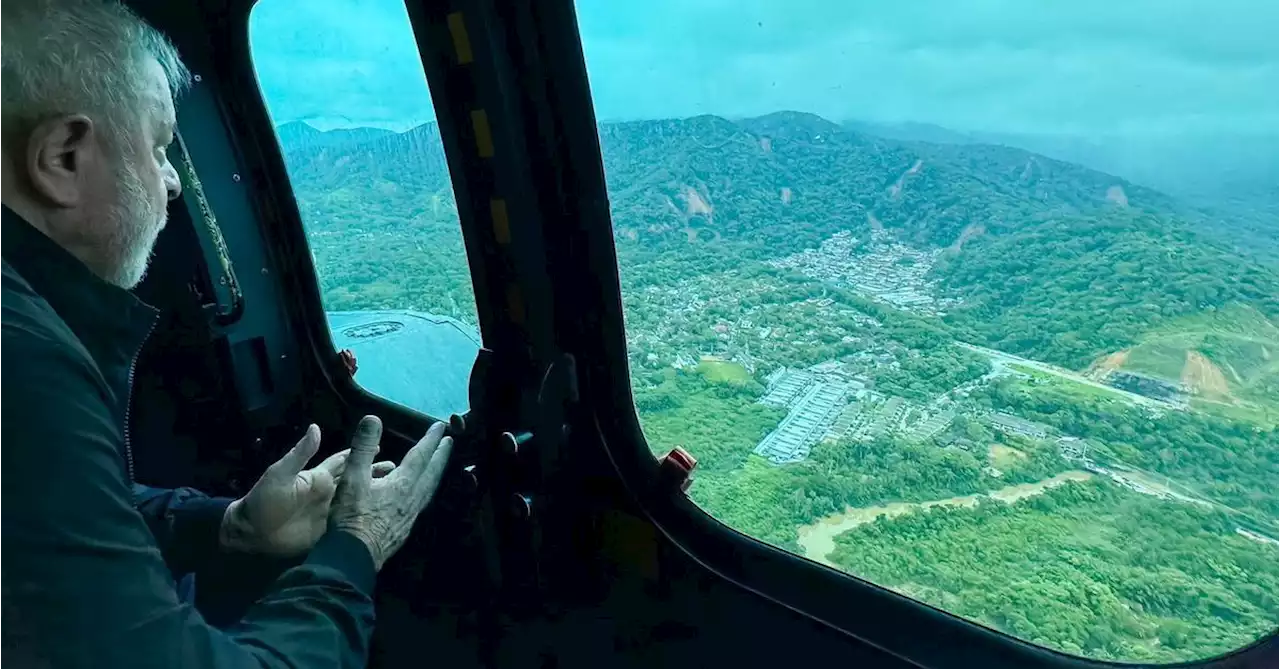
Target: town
881, 269
828, 403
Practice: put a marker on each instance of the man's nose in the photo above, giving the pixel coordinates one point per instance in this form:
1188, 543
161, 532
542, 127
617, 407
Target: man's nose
172, 183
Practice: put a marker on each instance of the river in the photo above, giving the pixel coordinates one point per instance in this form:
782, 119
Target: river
818, 539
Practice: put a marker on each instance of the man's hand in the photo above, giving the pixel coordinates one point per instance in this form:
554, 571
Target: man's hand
288, 508
380, 512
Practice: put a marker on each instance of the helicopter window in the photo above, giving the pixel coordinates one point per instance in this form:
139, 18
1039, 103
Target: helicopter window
881, 280
344, 86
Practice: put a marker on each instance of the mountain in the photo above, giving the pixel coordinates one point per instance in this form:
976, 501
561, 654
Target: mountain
298, 135
1231, 176
915, 132
785, 276
1045, 258
782, 179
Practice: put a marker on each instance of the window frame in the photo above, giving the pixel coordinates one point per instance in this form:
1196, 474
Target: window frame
548, 112
854, 606
252, 133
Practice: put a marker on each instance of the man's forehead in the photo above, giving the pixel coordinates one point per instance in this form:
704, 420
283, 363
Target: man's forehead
157, 92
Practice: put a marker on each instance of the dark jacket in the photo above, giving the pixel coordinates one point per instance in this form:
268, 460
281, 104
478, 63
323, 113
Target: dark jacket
89, 557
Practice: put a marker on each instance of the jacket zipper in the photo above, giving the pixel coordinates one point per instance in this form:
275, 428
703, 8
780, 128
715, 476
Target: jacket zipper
128, 404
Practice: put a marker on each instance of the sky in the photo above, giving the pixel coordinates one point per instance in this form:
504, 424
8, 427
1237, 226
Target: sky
1084, 67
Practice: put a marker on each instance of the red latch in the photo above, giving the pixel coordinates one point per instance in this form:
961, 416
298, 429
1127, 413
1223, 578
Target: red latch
676, 468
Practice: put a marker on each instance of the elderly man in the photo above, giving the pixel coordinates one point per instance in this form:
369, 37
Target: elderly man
89, 555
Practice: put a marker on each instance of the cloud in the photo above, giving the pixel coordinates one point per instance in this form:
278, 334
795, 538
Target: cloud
339, 62
1088, 66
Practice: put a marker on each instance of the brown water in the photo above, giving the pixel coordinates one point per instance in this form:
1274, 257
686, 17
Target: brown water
818, 539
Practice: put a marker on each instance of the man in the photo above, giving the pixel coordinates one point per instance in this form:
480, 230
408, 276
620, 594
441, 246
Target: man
89, 556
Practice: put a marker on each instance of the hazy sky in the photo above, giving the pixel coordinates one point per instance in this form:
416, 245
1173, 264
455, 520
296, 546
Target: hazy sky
1089, 67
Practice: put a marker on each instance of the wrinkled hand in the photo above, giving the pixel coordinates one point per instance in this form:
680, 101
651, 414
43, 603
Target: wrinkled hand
287, 510
380, 512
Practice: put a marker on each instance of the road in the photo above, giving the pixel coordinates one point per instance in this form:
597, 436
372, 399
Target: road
1000, 360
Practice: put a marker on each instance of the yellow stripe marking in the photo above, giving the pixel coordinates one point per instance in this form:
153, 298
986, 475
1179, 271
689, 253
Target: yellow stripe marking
461, 41
484, 138
501, 226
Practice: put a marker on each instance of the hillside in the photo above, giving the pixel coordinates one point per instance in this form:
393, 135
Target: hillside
1226, 357
802, 307
787, 180
1228, 178
1045, 258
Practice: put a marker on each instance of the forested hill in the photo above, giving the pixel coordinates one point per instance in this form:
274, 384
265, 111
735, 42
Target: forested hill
788, 178
1049, 259
785, 180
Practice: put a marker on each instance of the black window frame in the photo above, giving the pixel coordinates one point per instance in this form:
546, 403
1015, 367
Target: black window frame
904, 627
544, 114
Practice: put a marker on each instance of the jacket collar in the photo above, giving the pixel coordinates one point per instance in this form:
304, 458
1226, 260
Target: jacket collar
109, 321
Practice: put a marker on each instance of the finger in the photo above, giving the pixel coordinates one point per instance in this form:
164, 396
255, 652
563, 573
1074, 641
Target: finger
322, 487
357, 475
425, 487
415, 461
334, 464
297, 458
380, 469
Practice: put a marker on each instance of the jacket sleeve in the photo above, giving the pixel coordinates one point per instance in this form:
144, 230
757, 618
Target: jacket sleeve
185, 522
83, 581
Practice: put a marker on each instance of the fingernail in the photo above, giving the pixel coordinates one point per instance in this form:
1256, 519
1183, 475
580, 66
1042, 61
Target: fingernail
369, 428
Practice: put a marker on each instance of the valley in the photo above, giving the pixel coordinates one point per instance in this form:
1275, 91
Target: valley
1023, 391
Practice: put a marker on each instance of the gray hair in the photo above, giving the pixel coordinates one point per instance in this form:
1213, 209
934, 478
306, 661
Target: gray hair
78, 57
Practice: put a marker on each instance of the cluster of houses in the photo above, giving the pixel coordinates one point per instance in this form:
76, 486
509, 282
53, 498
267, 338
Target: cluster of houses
828, 403
883, 270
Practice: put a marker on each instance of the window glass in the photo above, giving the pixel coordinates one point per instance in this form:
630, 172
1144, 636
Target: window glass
975, 300
344, 84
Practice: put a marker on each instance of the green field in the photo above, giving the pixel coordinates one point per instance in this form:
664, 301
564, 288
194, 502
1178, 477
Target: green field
1066, 386
722, 371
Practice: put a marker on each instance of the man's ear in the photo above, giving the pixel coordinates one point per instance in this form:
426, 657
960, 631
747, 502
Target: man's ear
58, 151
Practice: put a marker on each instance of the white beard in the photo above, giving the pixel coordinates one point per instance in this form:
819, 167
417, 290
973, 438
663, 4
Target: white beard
135, 225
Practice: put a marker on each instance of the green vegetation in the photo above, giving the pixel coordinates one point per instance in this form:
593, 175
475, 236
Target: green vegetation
719, 422
1232, 463
720, 229
770, 502
381, 220
1069, 388
1083, 568
932, 371
1228, 354
719, 371
1067, 290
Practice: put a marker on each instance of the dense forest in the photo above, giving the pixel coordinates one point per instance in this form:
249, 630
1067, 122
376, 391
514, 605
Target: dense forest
748, 248
1094, 582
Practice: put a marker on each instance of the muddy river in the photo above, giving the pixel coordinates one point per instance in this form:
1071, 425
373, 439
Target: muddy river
817, 540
